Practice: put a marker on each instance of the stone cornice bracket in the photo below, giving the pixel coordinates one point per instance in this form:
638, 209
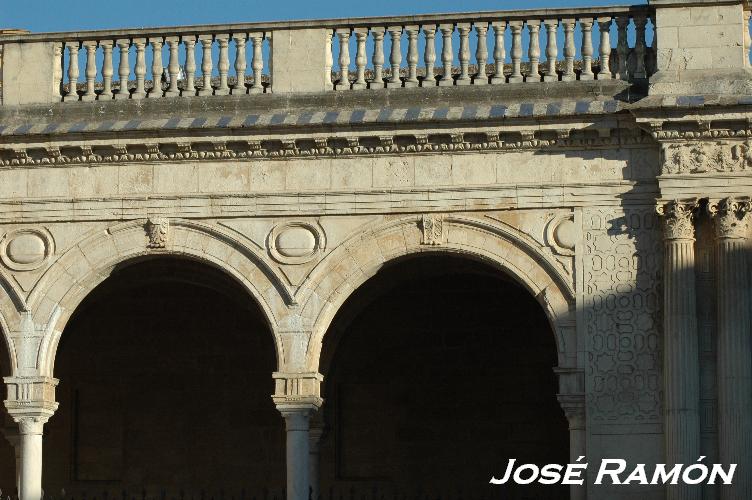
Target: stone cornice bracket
158, 232
294, 392
731, 216
678, 218
31, 401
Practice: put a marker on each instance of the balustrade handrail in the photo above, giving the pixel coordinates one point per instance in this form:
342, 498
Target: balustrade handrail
452, 17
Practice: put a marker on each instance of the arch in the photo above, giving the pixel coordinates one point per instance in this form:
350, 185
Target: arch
77, 272
502, 246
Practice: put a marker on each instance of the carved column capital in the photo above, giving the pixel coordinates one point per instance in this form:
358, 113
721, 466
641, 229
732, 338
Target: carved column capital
31, 400
731, 217
678, 218
295, 392
574, 409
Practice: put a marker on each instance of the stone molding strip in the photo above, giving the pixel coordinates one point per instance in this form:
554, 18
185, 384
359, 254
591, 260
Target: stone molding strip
619, 193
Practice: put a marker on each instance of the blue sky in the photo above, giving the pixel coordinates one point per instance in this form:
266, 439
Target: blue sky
72, 15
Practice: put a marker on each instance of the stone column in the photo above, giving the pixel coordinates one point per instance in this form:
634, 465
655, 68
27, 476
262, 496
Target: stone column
31, 403
297, 397
734, 343
574, 409
681, 365
314, 459
297, 426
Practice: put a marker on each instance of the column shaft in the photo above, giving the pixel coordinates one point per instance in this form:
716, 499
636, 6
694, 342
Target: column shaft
31, 461
681, 360
298, 482
734, 367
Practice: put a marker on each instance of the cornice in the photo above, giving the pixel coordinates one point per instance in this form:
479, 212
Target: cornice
203, 148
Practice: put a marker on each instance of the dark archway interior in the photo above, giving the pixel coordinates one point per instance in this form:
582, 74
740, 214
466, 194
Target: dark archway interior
438, 371
165, 383
7, 453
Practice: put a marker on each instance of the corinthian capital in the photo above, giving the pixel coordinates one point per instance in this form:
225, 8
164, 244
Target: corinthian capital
678, 215
731, 217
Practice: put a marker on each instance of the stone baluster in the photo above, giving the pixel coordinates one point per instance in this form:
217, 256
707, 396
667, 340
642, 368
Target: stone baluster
344, 58
72, 94
57, 68
516, 52
328, 57
604, 25
189, 42
223, 65
395, 56
173, 66
464, 54
447, 54
361, 59
206, 64
412, 56
240, 64
499, 52
552, 51
91, 70
534, 52
377, 33
124, 69
569, 51
586, 73
140, 68
734, 349
257, 64
429, 55
747, 36
640, 21
481, 53
622, 47
157, 67
681, 357
107, 70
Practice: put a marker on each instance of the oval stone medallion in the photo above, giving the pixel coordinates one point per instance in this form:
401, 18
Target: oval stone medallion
296, 241
25, 249
566, 234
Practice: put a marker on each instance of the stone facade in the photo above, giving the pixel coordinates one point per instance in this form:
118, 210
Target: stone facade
607, 196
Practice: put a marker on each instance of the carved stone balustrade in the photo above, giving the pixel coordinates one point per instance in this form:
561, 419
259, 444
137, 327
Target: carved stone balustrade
366, 53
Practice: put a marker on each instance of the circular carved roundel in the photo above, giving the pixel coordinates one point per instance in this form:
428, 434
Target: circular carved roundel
295, 242
25, 249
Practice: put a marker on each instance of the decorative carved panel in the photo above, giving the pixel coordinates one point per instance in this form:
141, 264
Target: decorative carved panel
622, 266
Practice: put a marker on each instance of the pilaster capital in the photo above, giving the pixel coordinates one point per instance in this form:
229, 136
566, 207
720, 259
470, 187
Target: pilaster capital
678, 218
31, 402
731, 217
294, 392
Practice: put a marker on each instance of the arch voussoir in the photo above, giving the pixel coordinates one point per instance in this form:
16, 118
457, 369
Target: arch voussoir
77, 272
328, 287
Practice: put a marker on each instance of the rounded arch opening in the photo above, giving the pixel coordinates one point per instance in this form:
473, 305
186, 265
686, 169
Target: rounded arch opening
165, 382
8, 429
438, 370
